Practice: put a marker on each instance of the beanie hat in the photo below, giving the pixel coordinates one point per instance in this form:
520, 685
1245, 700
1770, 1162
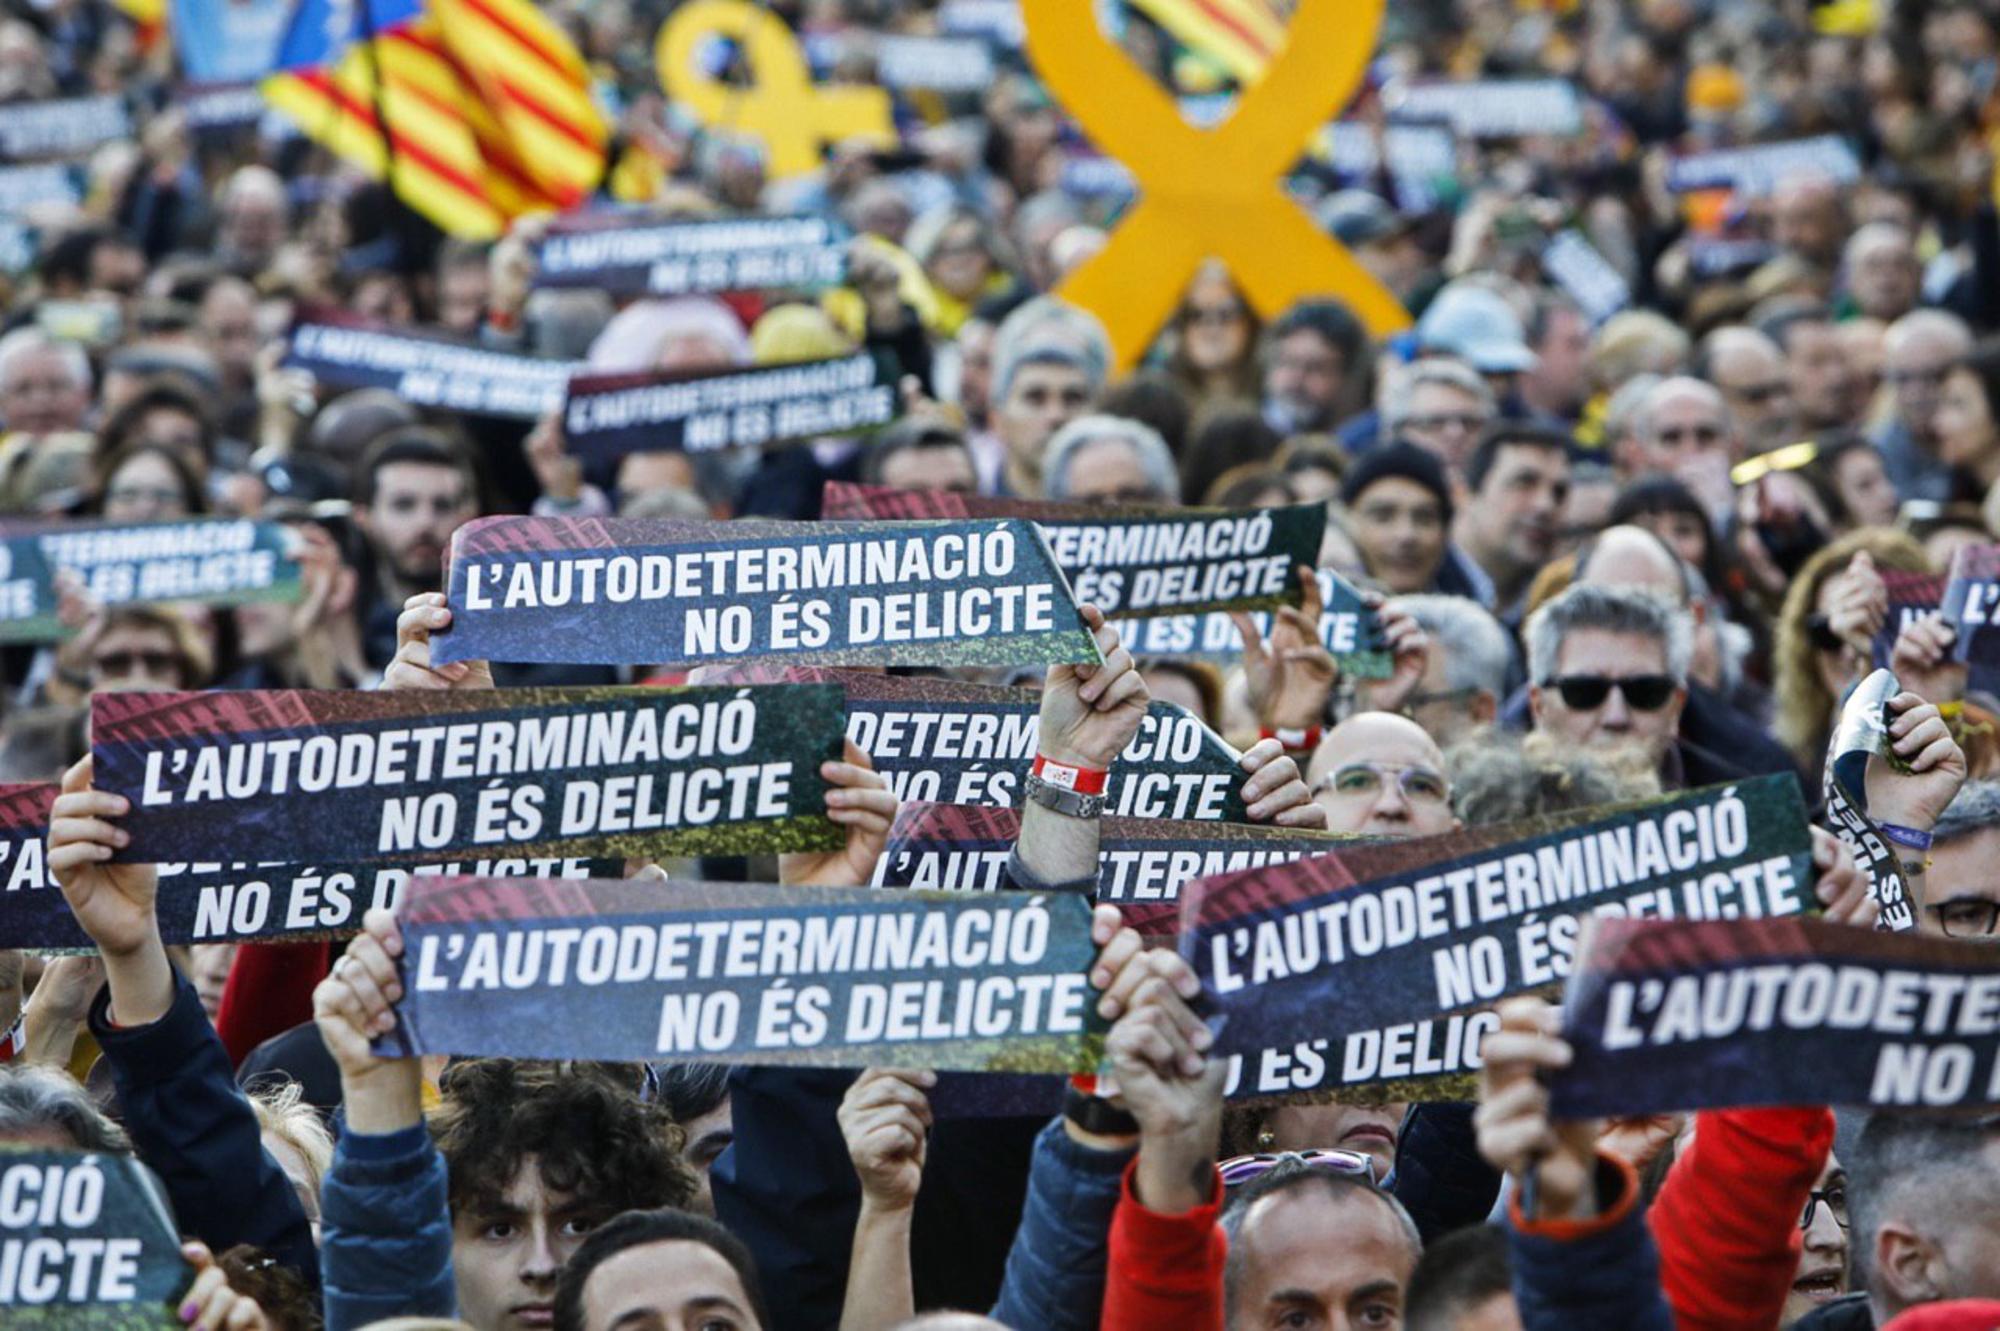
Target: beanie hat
1400, 459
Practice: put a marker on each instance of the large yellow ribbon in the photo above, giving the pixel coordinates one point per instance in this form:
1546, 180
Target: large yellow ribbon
781, 105
1216, 192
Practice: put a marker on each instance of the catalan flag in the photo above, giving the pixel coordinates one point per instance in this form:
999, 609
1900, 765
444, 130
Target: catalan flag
478, 111
1242, 36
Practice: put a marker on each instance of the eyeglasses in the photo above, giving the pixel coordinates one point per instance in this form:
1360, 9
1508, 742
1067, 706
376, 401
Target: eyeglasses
1967, 917
1700, 434
1239, 1170
1587, 693
1216, 316
1819, 630
1468, 421
1835, 1200
1758, 394
119, 664
1420, 785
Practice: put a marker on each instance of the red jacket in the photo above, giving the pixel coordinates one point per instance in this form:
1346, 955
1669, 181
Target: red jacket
1164, 1270
1727, 1218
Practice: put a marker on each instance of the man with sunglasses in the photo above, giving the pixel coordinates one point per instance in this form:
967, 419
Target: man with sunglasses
1608, 667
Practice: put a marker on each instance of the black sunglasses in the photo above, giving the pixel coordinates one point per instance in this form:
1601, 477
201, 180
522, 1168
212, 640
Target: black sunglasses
1819, 631
1586, 693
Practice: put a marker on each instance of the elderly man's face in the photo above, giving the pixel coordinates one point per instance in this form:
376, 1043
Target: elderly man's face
1041, 400
1962, 897
1683, 429
1759, 393
1884, 277
1109, 471
1380, 775
39, 395
1609, 689
1914, 366
1823, 380
1445, 420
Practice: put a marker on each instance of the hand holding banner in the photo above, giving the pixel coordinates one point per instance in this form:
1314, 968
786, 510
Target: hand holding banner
370, 777
1702, 1015
741, 973
637, 591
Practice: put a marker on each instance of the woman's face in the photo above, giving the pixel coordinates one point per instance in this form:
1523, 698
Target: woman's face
1963, 422
1822, 1273
145, 487
1683, 533
1215, 324
959, 263
1864, 487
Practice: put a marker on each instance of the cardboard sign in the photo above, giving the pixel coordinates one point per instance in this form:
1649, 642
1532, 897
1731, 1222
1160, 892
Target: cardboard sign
212, 109
1972, 604
1348, 628
631, 254
943, 741
606, 416
1758, 170
933, 64
1861, 735
1215, 193
639, 591
25, 187
1912, 597
86, 1242
1666, 1016
345, 777
742, 973
430, 371
215, 903
779, 105
1492, 108
33, 131
1141, 561
217, 561
1585, 276
1365, 970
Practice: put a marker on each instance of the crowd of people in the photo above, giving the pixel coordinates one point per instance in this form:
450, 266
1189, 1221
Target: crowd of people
1616, 550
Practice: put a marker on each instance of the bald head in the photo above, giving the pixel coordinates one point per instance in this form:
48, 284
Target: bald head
1379, 774
1749, 370
950, 1322
1634, 557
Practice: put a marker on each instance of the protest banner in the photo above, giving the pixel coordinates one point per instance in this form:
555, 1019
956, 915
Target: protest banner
86, 1244
635, 254
999, 21
606, 416
429, 371
341, 777
71, 127
50, 183
944, 741
1365, 972
1348, 628
227, 41
223, 903
933, 64
641, 591
1140, 560
1758, 169
1585, 276
1702, 1015
217, 561
746, 973
1971, 603
1490, 108
217, 108
1863, 733
1912, 597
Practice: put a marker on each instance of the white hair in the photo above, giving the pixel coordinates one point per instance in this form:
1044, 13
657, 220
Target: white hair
1475, 649
22, 343
1155, 458
1608, 610
1438, 370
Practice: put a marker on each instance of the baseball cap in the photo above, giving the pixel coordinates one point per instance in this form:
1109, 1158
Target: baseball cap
1479, 327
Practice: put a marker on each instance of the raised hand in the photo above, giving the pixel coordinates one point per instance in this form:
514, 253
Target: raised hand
352, 1006
886, 1119
1289, 676
1512, 1122
422, 615
860, 800
1918, 735
1091, 712
210, 1304
113, 903
1922, 661
1276, 791
1409, 657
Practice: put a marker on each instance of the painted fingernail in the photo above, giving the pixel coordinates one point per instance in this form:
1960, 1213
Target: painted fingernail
188, 1310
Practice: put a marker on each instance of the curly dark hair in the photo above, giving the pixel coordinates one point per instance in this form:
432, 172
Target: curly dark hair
590, 1135
289, 1303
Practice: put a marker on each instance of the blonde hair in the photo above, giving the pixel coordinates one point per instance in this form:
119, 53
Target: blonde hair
283, 1112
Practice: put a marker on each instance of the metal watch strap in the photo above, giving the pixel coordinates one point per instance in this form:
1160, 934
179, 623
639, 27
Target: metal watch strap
1068, 803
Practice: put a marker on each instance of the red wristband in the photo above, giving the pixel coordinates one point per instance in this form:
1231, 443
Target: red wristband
16, 1038
1082, 780
1293, 740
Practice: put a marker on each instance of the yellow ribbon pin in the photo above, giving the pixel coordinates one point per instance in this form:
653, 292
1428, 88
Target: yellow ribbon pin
781, 106
1215, 192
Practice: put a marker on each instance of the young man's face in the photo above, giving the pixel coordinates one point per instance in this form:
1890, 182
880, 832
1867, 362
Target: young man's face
674, 1285
508, 1251
417, 507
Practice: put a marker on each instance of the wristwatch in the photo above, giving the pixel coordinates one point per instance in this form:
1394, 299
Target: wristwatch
1097, 1116
1069, 803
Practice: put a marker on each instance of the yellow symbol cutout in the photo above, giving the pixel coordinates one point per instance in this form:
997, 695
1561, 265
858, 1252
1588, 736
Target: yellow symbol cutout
1214, 192
781, 105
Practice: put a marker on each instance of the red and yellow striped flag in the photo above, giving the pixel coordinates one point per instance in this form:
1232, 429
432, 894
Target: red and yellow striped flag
482, 106
1243, 36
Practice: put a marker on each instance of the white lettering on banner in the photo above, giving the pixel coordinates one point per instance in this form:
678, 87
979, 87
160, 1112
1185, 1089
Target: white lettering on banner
1800, 996
622, 247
